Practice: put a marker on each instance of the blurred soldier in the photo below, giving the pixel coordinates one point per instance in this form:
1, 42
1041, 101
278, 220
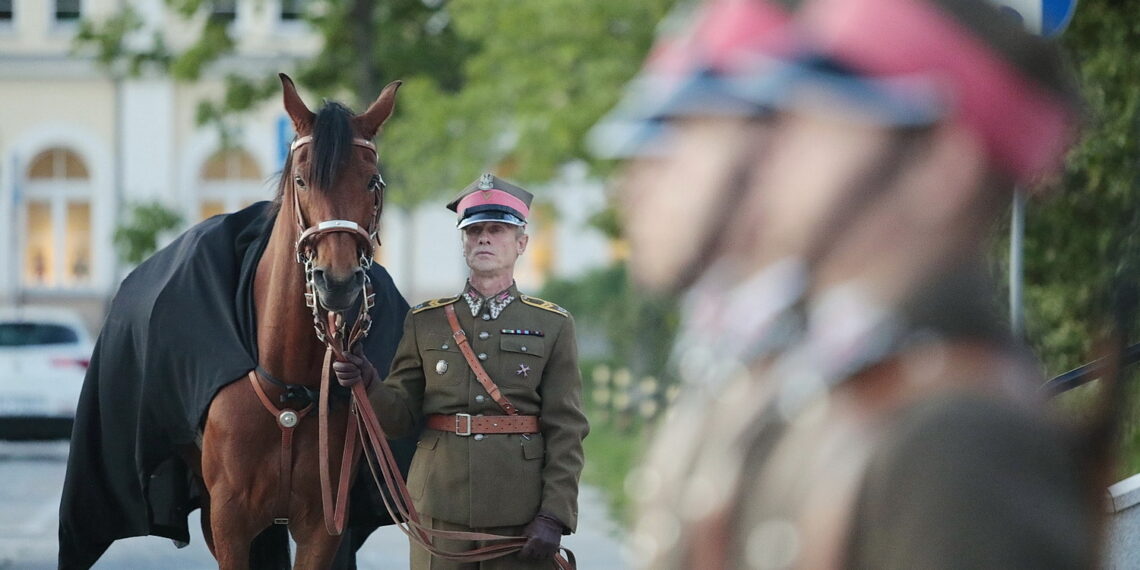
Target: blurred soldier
502, 452
860, 404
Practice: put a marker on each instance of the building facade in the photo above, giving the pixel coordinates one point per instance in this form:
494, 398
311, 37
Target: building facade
80, 143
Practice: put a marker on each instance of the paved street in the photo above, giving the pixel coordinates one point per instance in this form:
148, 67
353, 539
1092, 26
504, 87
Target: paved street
33, 472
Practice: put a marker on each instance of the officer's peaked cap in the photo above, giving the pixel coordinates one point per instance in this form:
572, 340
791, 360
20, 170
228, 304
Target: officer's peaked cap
491, 199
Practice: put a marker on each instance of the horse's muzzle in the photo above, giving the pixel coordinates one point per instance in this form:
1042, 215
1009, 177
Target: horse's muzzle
338, 294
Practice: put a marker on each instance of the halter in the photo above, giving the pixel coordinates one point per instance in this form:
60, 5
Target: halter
306, 251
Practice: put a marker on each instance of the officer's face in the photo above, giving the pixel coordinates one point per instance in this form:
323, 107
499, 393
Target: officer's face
672, 204
492, 247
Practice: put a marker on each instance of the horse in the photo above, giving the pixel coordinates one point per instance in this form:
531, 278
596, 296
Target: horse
263, 470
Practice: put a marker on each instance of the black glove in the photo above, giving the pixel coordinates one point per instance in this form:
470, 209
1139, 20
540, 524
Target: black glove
355, 368
543, 535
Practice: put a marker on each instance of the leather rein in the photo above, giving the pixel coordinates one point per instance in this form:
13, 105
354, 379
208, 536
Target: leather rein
362, 421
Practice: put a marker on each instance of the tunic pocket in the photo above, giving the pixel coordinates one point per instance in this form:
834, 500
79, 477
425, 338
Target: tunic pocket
523, 358
422, 463
442, 361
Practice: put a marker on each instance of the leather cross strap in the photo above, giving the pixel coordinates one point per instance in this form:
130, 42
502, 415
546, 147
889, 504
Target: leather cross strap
286, 423
466, 424
469, 355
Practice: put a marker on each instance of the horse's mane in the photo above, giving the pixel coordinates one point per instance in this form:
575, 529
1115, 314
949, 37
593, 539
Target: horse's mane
332, 143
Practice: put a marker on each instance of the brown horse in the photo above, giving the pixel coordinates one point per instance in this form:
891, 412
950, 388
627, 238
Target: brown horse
314, 265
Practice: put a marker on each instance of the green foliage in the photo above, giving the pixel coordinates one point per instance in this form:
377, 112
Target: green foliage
610, 455
137, 238
508, 85
1083, 242
108, 41
638, 328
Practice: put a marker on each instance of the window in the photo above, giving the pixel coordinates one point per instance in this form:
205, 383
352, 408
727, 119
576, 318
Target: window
231, 180
230, 165
33, 334
67, 10
57, 163
224, 10
292, 10
57, 218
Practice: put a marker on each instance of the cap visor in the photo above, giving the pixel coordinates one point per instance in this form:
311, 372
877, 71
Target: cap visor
815, 85
491, 216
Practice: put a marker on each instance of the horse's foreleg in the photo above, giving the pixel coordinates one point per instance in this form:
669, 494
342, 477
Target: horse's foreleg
234, 456
316, 548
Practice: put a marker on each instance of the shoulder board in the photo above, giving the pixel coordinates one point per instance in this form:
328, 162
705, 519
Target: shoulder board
544, 304
434, 303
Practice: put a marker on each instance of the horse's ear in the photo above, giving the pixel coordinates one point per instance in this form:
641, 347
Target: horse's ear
298, 111
369, 121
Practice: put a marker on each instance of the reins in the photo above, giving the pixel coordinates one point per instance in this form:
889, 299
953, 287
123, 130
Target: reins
362, 421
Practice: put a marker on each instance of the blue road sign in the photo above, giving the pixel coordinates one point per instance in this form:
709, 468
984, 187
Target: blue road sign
1056, 15
1046, 17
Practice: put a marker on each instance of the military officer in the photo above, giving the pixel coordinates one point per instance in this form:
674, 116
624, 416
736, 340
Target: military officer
857, 402
502, 454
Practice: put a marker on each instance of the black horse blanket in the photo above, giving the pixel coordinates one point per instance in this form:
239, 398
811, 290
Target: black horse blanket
180, 328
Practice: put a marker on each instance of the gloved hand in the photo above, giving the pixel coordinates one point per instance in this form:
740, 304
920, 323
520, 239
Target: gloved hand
543, 535
355, 368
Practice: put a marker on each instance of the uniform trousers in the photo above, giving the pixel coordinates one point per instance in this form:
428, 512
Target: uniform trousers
423, 560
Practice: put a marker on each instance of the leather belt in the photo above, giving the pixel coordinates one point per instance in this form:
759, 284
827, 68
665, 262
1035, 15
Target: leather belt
466, 424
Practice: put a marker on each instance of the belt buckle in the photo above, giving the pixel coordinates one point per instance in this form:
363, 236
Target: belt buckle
458, 429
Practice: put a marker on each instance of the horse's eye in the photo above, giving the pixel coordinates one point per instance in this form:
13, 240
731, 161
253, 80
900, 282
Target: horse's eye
376, 184
300, 182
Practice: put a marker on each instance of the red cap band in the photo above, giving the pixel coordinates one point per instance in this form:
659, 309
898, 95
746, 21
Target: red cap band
492, 197
1025, 129
727, 34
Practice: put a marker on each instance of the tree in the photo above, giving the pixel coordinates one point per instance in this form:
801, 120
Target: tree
510, 86
138, 237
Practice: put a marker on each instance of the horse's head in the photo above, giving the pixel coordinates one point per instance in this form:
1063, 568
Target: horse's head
332, 184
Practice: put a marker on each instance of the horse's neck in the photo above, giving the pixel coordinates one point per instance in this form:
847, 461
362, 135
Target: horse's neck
287, 344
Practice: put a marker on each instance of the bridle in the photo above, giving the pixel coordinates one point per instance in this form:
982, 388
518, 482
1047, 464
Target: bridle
366, 240
331, 333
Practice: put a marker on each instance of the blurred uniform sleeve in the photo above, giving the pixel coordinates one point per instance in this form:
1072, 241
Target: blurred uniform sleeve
968, 482
564, 426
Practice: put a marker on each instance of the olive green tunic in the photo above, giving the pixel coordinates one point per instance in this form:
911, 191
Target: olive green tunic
492, 480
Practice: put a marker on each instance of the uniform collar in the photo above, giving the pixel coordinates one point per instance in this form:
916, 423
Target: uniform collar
493, 303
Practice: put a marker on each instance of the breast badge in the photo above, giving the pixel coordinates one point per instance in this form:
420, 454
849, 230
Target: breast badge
441, 367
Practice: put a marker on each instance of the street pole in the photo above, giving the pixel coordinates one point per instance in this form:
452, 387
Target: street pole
1016, 264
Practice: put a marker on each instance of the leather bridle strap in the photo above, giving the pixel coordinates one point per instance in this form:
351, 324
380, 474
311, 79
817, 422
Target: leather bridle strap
399, 504
334, 517
469, 355
287, 420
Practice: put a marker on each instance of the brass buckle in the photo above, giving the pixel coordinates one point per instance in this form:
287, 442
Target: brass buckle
462, 431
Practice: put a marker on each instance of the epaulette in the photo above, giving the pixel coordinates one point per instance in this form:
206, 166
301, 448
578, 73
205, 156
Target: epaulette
434, 303
544, 304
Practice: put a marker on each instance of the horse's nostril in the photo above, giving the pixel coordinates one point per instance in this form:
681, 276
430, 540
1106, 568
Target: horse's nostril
358, 277
319, 278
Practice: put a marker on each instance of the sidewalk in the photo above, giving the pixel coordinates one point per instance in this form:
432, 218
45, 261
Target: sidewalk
597, 544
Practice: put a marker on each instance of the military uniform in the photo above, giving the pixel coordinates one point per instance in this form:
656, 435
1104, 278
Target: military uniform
490, 480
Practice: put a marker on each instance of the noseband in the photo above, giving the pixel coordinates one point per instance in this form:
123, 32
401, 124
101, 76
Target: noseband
306, 252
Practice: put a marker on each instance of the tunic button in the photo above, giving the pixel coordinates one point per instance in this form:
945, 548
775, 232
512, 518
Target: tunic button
444, 347
482, 356
484, 335
524, 349
480, 398
478, 437
486, 317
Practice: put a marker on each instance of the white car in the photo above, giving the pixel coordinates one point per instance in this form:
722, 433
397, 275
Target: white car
44, 353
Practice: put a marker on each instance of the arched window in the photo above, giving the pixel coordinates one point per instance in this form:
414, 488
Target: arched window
57, 218
230, 180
